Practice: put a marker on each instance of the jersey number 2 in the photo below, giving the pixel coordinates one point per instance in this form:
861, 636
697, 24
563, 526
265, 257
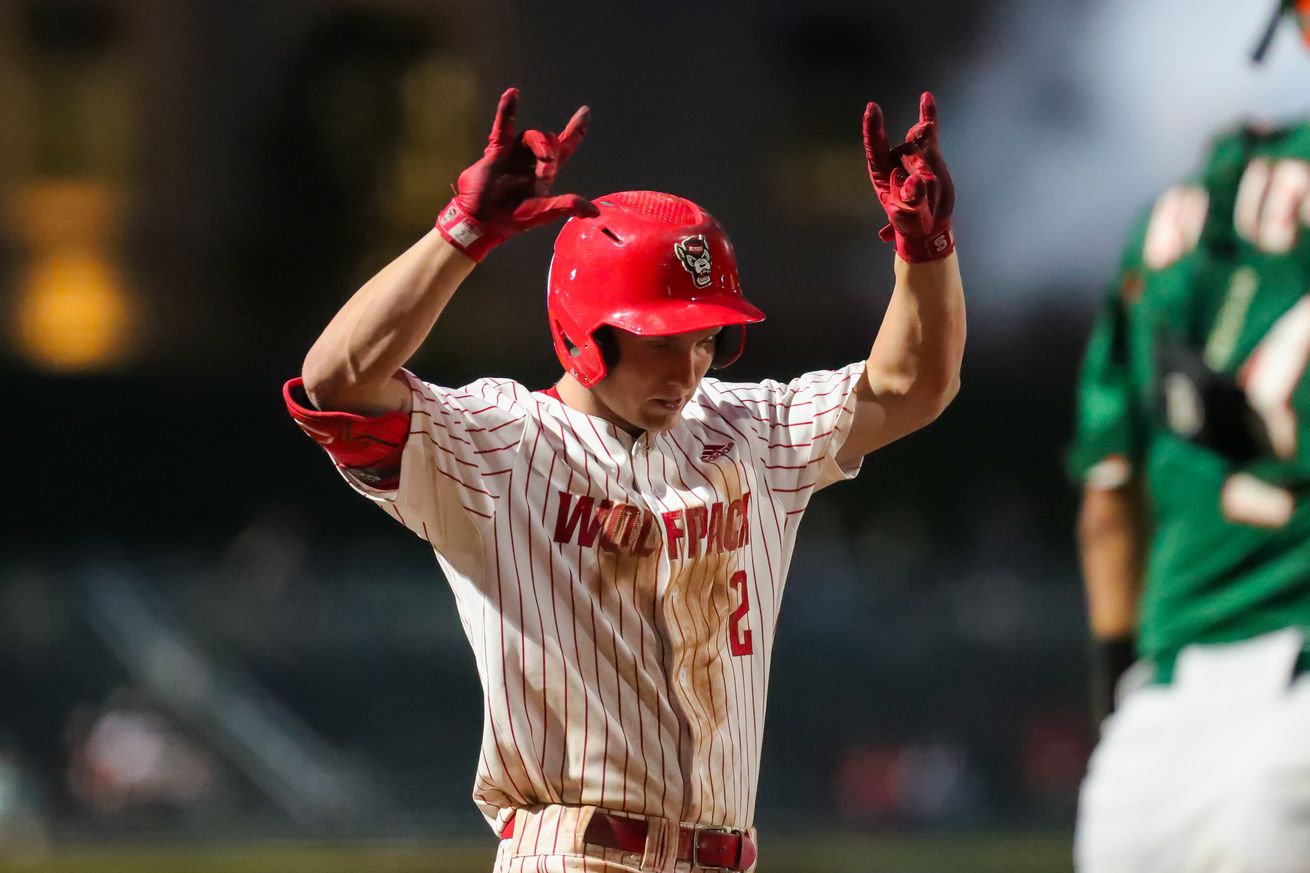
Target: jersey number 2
739, 637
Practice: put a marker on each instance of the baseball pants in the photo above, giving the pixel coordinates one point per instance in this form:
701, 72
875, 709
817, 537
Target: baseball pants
1208, 774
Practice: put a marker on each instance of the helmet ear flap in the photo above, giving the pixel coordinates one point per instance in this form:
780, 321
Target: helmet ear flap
608, 344
583, 361
728, 345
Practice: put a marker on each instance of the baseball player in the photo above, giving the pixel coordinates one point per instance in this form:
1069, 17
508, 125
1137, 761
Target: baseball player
1192, 449
618, 543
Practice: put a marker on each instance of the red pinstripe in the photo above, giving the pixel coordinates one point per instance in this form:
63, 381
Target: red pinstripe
754, 389
659, 639
441, 424
615, 635
458, 481
509, 710
709, 712
722, 495
604, 716
737, 664
754, 577
554, 602
759, 678
518, 588
791, 466
783, 424
574, 584
685, 811
541, 623
496, 449
636, 684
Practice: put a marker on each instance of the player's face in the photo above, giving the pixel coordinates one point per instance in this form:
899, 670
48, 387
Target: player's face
656, 376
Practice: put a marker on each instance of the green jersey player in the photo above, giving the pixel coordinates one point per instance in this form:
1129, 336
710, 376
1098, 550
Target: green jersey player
1196, 297
1193, 447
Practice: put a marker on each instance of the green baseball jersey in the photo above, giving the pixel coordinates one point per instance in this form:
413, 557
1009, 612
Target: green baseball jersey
1220, 265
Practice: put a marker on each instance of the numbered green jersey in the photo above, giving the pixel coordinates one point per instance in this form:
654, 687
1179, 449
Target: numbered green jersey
1219, 265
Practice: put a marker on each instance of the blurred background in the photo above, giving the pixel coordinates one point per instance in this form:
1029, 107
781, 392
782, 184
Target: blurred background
212, 653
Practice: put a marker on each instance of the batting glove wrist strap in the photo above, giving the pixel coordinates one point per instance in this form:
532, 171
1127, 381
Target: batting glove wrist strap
465, 232
940, 244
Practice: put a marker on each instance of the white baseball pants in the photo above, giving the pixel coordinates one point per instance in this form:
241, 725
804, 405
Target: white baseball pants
1209, 774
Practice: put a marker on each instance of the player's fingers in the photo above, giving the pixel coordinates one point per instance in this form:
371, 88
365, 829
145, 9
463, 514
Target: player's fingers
923, 135
927, 108
876, 150
574, 131
905, 154
543, 210
916, 163
906, 192
913, 191
502, 129
545, 148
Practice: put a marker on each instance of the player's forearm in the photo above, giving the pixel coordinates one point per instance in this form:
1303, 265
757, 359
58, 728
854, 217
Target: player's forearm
1111, 536
915, 361
352, 363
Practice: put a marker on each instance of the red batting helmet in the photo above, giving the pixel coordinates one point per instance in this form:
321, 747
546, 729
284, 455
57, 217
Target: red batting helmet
652, 264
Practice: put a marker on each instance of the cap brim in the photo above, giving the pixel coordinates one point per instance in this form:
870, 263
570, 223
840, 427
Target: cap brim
683, 316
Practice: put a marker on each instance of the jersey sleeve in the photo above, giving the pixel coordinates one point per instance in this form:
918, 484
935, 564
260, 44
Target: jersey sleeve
797, 427
1107, 443
437, 469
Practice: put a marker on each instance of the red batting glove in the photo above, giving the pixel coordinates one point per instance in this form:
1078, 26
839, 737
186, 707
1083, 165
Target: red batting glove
913, 184
508, 189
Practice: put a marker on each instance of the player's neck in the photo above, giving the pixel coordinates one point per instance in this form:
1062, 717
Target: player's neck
578, 398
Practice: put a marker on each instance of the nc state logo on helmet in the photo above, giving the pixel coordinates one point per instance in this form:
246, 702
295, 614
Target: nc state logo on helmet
694, 253
651, 264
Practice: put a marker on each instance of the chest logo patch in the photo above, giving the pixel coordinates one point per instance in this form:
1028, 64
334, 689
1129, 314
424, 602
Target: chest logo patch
714, 451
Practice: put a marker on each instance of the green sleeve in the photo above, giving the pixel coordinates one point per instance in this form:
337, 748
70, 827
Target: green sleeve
1107, 425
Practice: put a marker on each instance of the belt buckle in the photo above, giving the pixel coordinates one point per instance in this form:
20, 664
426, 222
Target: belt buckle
713, 829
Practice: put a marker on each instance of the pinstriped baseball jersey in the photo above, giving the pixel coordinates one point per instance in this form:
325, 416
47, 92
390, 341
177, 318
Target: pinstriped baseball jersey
620, 593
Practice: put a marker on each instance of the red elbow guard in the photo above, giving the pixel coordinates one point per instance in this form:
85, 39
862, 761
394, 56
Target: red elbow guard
369, 447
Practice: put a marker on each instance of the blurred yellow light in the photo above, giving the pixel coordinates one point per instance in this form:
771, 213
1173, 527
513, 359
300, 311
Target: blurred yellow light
73, 315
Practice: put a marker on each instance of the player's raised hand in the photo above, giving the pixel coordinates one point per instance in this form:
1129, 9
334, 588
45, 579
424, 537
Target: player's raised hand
912, 184
508, 189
